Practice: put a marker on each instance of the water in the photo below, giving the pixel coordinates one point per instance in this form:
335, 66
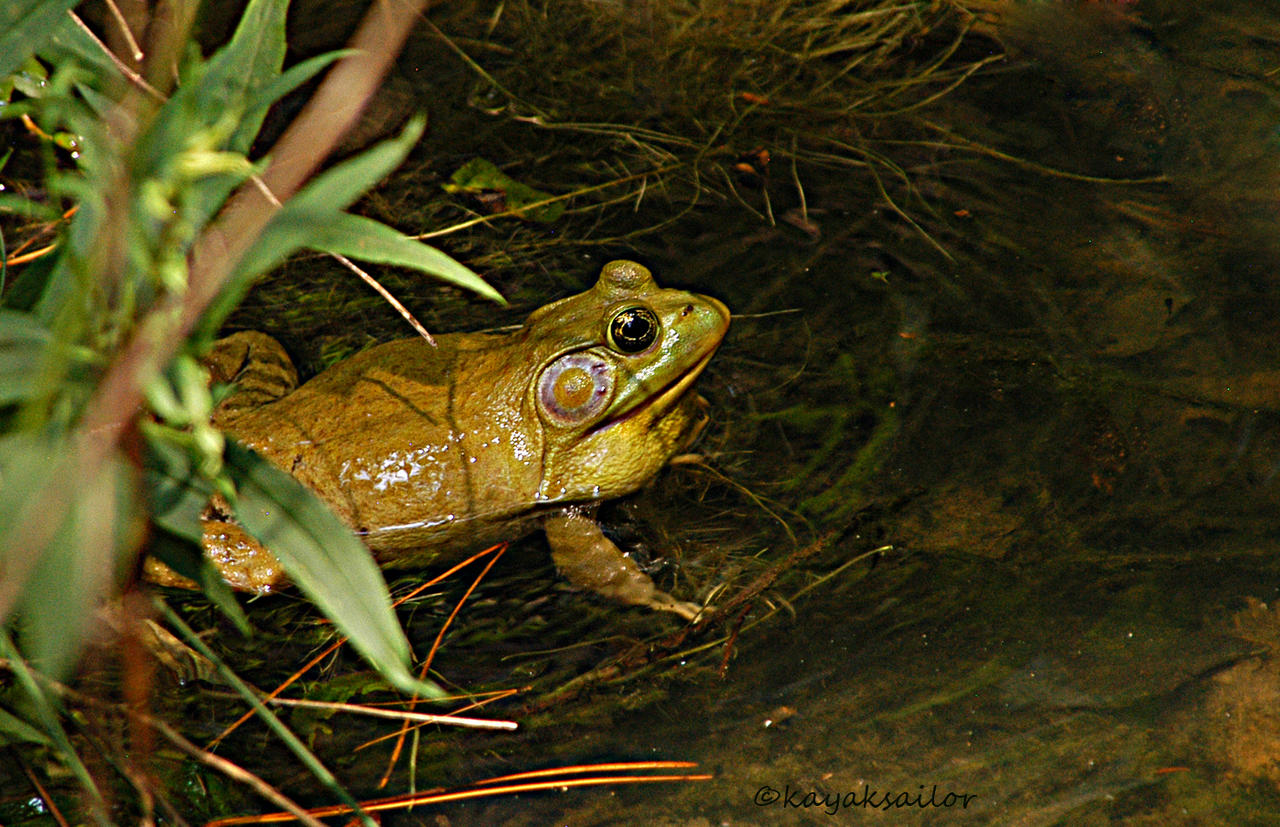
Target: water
1077, 470
1050, 453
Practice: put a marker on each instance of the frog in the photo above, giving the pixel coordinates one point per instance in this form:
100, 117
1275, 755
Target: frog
429, 451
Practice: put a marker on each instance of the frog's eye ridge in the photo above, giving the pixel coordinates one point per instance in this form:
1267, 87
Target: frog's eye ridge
633, 329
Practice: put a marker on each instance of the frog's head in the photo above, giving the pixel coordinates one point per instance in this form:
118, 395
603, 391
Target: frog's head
612, 390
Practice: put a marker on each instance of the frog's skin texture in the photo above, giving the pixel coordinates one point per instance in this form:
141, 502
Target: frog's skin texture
430, 452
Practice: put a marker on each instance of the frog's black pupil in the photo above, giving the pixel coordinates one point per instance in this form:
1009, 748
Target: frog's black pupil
634, 329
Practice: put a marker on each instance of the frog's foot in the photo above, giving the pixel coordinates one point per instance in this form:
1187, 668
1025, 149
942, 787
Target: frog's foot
183, 662
241, 561
590, 560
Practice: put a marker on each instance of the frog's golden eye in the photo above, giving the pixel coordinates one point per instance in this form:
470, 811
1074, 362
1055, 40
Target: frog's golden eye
576, 387
634, 329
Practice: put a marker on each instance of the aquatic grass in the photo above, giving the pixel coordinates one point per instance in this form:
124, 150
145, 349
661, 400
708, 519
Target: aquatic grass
638, 125
651, 109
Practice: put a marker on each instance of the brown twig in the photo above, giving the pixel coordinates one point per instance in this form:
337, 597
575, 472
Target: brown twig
386, 295
134, 51
136, 79
393, 714
496, 786
768, 577
44, 230
426, 664
489, 697
333, 647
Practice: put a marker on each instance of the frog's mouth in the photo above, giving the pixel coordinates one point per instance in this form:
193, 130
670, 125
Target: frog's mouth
659, 404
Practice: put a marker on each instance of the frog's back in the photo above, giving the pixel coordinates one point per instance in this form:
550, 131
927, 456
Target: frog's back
414, 364
404, 440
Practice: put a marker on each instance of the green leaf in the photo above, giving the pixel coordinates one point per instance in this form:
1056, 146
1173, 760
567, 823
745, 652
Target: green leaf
14, 730
250, 61
176, 496
368, 240
26, 25
26, 348
59, 571
296, 224
480, 176
230, 80
69, 45
219, 108
100, 104
79, 568
20, 362
326, 560
305, 218
285, 83
26, 208
22, 327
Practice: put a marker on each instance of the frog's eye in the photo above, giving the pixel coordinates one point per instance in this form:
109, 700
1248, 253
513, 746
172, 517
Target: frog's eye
576, 387
632, 330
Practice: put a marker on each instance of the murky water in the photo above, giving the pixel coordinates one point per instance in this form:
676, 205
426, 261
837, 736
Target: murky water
1054, 444
1078, 475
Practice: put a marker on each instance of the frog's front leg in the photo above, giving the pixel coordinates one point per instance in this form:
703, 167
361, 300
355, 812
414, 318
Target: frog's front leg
590, 560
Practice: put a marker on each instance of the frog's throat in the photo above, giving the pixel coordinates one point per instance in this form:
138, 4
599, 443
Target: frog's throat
657, 405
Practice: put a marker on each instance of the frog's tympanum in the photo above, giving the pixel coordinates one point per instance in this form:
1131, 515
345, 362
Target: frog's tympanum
426, 451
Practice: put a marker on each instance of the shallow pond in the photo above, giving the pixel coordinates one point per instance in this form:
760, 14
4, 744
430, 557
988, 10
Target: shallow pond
994, 490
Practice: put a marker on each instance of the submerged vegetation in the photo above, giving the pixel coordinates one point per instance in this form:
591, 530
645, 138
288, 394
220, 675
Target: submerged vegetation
157, 199
647, 120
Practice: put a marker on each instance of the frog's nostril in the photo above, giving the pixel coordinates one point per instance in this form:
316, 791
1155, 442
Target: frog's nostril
688, 308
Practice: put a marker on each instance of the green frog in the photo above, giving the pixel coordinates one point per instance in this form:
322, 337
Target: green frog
427, 452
